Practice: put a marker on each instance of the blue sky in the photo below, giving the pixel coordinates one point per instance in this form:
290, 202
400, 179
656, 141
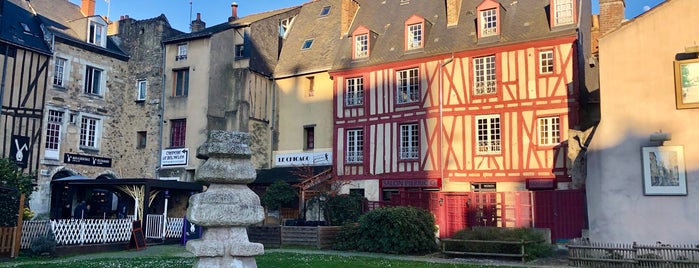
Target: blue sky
217, 11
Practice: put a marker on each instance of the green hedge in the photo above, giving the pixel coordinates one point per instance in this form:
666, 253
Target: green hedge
535, 250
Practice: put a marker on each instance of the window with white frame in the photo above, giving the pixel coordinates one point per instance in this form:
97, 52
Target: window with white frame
409, 143
546, 62
549, 130
488, 134
96, 33
414, 36
325, 11
484, 75
59, 69
141, 88
563, 12
54, 127
489, 22
361, 46
284, 26
181, 52
354, 91
408, 86
307, 44
355, 146
89, 131
93, 80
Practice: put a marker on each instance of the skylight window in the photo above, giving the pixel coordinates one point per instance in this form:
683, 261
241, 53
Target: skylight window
307, 44
325, 11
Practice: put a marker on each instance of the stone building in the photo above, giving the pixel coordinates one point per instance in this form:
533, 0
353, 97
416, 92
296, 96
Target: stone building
220, 77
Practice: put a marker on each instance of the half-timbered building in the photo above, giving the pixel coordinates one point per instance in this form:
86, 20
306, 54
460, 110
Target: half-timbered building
438, 101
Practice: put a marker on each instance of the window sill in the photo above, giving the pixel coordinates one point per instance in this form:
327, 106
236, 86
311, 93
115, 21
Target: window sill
92, 150
60, 88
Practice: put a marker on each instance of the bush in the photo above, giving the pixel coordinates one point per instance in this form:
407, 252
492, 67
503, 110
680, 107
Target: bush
346, 238
342, 209
43, 245
535, 250
401, 230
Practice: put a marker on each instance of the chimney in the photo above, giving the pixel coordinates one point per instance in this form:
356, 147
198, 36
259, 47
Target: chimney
234, 12
611, 15
198, 24
87, 7
349, 10
453, 10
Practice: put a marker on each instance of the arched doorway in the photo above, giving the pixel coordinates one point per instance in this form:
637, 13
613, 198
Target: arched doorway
62, 196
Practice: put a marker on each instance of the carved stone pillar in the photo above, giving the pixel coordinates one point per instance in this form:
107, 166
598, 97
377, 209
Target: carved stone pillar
228, 206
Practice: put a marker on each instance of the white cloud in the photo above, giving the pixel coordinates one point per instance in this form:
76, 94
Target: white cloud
646, 8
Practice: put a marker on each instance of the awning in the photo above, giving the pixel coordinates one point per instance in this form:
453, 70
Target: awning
290, 175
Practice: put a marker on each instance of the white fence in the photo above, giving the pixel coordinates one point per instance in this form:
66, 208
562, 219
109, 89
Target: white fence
154, 226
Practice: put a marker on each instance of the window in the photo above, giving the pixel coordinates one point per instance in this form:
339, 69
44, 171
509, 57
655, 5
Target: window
93, 77
181, 85
489, 20
181, 52
141, 87
409, 142
361, 46
95, 34
484, 75
240, 51
284, 26
311, 86
308, 132
178, 129
141, 139
357, 192
59, 68
408, 87
355, 146
354, 91
546, 62
307, 44
563, 12
88, 132
549, 130
53, 134
414, 36
488, 136
325, 11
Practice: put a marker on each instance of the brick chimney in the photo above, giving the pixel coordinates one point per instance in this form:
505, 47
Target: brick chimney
198, 24
611, 15
349, 10
234, 12
453, 10
87, 7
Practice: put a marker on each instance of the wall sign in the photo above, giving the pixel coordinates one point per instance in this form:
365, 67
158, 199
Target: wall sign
174, 157
303, 159
19, 150
87, 160
410, 183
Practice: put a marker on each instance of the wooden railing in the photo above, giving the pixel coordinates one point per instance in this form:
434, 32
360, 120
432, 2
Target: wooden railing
480, 248
583, 253
7, 238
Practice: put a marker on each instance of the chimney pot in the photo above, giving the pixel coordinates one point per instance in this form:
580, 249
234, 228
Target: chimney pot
234, 12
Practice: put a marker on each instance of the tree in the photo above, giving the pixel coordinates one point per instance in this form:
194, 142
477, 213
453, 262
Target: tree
12, 183
278, 194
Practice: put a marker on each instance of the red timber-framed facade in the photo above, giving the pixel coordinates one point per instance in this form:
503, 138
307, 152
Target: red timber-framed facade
450, 120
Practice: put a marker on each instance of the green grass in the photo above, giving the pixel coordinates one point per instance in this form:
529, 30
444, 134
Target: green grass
275, 259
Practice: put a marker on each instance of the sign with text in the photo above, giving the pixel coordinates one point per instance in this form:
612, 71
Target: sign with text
87, 160
174, 157
19, 150
303, 159
428, 183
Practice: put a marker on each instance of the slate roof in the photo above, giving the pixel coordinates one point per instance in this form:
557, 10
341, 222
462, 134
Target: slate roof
521, 21
59, 15
240, 22
13, 18
325, 32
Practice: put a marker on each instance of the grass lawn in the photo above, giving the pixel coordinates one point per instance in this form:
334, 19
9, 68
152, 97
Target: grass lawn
275, 259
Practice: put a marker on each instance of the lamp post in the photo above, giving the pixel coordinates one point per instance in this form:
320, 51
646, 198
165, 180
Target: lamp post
441, 123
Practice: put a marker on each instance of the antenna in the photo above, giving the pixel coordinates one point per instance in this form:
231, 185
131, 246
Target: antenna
190, 15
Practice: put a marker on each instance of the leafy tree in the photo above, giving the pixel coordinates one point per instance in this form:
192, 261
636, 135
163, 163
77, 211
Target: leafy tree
277, 195
342, 209
13, 183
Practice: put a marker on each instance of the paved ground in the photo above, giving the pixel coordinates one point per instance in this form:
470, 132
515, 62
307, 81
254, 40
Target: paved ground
179, 251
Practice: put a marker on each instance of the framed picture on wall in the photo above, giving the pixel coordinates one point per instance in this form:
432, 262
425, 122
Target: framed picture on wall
664, 171
687, 83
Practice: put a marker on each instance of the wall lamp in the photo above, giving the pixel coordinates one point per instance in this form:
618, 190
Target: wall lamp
660, 137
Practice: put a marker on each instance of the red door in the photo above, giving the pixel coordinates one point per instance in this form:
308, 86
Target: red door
562, 211
456, 217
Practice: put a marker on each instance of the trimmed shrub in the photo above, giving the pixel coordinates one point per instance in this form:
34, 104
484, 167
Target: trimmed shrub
342, 209
399, 230
347, 237
43, 245
535, 250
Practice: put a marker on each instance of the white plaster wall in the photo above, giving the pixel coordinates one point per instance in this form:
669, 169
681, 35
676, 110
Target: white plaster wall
638, 99
371, 188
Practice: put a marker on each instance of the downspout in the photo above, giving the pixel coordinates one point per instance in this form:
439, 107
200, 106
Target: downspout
271, 136
162, 111
4, 75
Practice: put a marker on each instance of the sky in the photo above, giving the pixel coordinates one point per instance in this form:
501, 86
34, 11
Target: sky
217, 11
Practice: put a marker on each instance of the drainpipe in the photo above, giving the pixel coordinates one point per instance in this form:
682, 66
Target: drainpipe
271, 136
162, 110
4, 75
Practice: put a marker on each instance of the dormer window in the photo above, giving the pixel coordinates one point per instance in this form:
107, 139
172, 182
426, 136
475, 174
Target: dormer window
96, 34
563, 12
284, 26
489, 22
414, 33
181, 52
361, 43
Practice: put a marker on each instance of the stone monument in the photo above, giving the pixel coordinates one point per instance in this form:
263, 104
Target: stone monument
228, 205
